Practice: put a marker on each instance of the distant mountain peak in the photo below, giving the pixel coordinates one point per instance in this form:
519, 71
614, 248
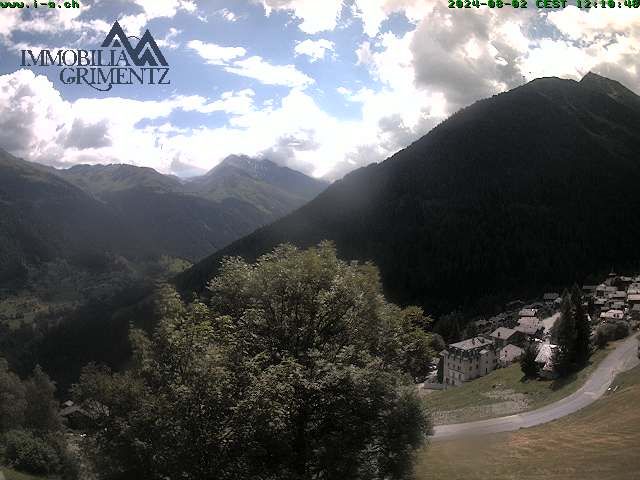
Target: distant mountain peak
610, 87
246, 162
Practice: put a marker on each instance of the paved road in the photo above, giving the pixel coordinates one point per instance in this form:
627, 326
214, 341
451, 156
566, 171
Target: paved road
623, 358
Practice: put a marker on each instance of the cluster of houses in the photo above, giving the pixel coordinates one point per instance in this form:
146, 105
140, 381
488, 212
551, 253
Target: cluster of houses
477, 356
502, 338
616, 299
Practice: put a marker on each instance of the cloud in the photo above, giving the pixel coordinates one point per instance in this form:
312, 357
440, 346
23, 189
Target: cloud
231, 58
259, 69
133, 24
36, 123
169, 39
164, 8
215, 54
83, 136
316, 15
314, 49
39, 125
228, 15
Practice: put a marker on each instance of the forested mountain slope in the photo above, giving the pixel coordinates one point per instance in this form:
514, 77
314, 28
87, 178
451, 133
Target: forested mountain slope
536, 186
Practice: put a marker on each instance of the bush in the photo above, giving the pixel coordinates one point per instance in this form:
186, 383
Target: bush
41, 455
24, 451
611, 331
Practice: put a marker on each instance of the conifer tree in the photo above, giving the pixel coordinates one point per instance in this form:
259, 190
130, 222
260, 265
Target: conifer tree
528, 361
583, 328
566, 334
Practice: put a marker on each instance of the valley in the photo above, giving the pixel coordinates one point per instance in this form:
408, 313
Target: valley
314, 298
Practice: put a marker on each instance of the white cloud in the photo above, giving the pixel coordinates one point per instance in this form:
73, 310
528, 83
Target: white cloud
38, 124
215, 54
231, 58
295, 131
316, 15
151, 9
169, 39
164, 8
228, 15
257, 68
588, 24
373, 13
314, 49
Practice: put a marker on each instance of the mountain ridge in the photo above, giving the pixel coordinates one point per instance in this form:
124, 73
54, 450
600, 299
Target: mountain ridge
125, 210
503, 195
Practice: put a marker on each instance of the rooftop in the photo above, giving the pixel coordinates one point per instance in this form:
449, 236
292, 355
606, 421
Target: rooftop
503, 333
528, 329
472, 343
545, 355
510, 353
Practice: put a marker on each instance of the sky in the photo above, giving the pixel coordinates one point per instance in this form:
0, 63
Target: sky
322, 86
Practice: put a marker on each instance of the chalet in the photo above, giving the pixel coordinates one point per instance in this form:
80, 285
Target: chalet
503, 336
589, 289
611, 315
469, 359
615, 305
75, 416
634, 299
550, 297
545, 359
530, 327
605, 291
599, 302
509, 354
634, 289
618, 295
528, 312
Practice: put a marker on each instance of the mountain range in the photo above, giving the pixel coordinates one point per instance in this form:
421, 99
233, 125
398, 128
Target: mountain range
538, 186
136, 212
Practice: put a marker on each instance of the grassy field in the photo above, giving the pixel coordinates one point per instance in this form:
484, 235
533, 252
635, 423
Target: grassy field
600, 442
13, 475
503, 392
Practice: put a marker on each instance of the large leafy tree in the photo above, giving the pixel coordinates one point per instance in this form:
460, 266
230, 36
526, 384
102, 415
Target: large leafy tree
297, 368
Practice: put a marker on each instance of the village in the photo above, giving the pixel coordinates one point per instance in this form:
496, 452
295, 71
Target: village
613, 308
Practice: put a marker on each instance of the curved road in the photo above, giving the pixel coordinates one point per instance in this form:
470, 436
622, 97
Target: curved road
623, 358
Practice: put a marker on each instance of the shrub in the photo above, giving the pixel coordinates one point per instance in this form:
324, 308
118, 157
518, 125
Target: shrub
24, 451
611, 331
41, 455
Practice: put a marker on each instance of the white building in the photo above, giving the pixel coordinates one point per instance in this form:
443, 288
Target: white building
469, 359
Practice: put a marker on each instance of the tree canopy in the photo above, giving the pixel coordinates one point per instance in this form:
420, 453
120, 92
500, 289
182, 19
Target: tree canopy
297, 368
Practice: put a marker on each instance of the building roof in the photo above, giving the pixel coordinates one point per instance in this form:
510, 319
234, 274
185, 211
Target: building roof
472, 343
527, 329
503, 333
545, 355
65, 412
530, 322
634, 298
551, 296
510, 353
614, 314
617, 305
528, 312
